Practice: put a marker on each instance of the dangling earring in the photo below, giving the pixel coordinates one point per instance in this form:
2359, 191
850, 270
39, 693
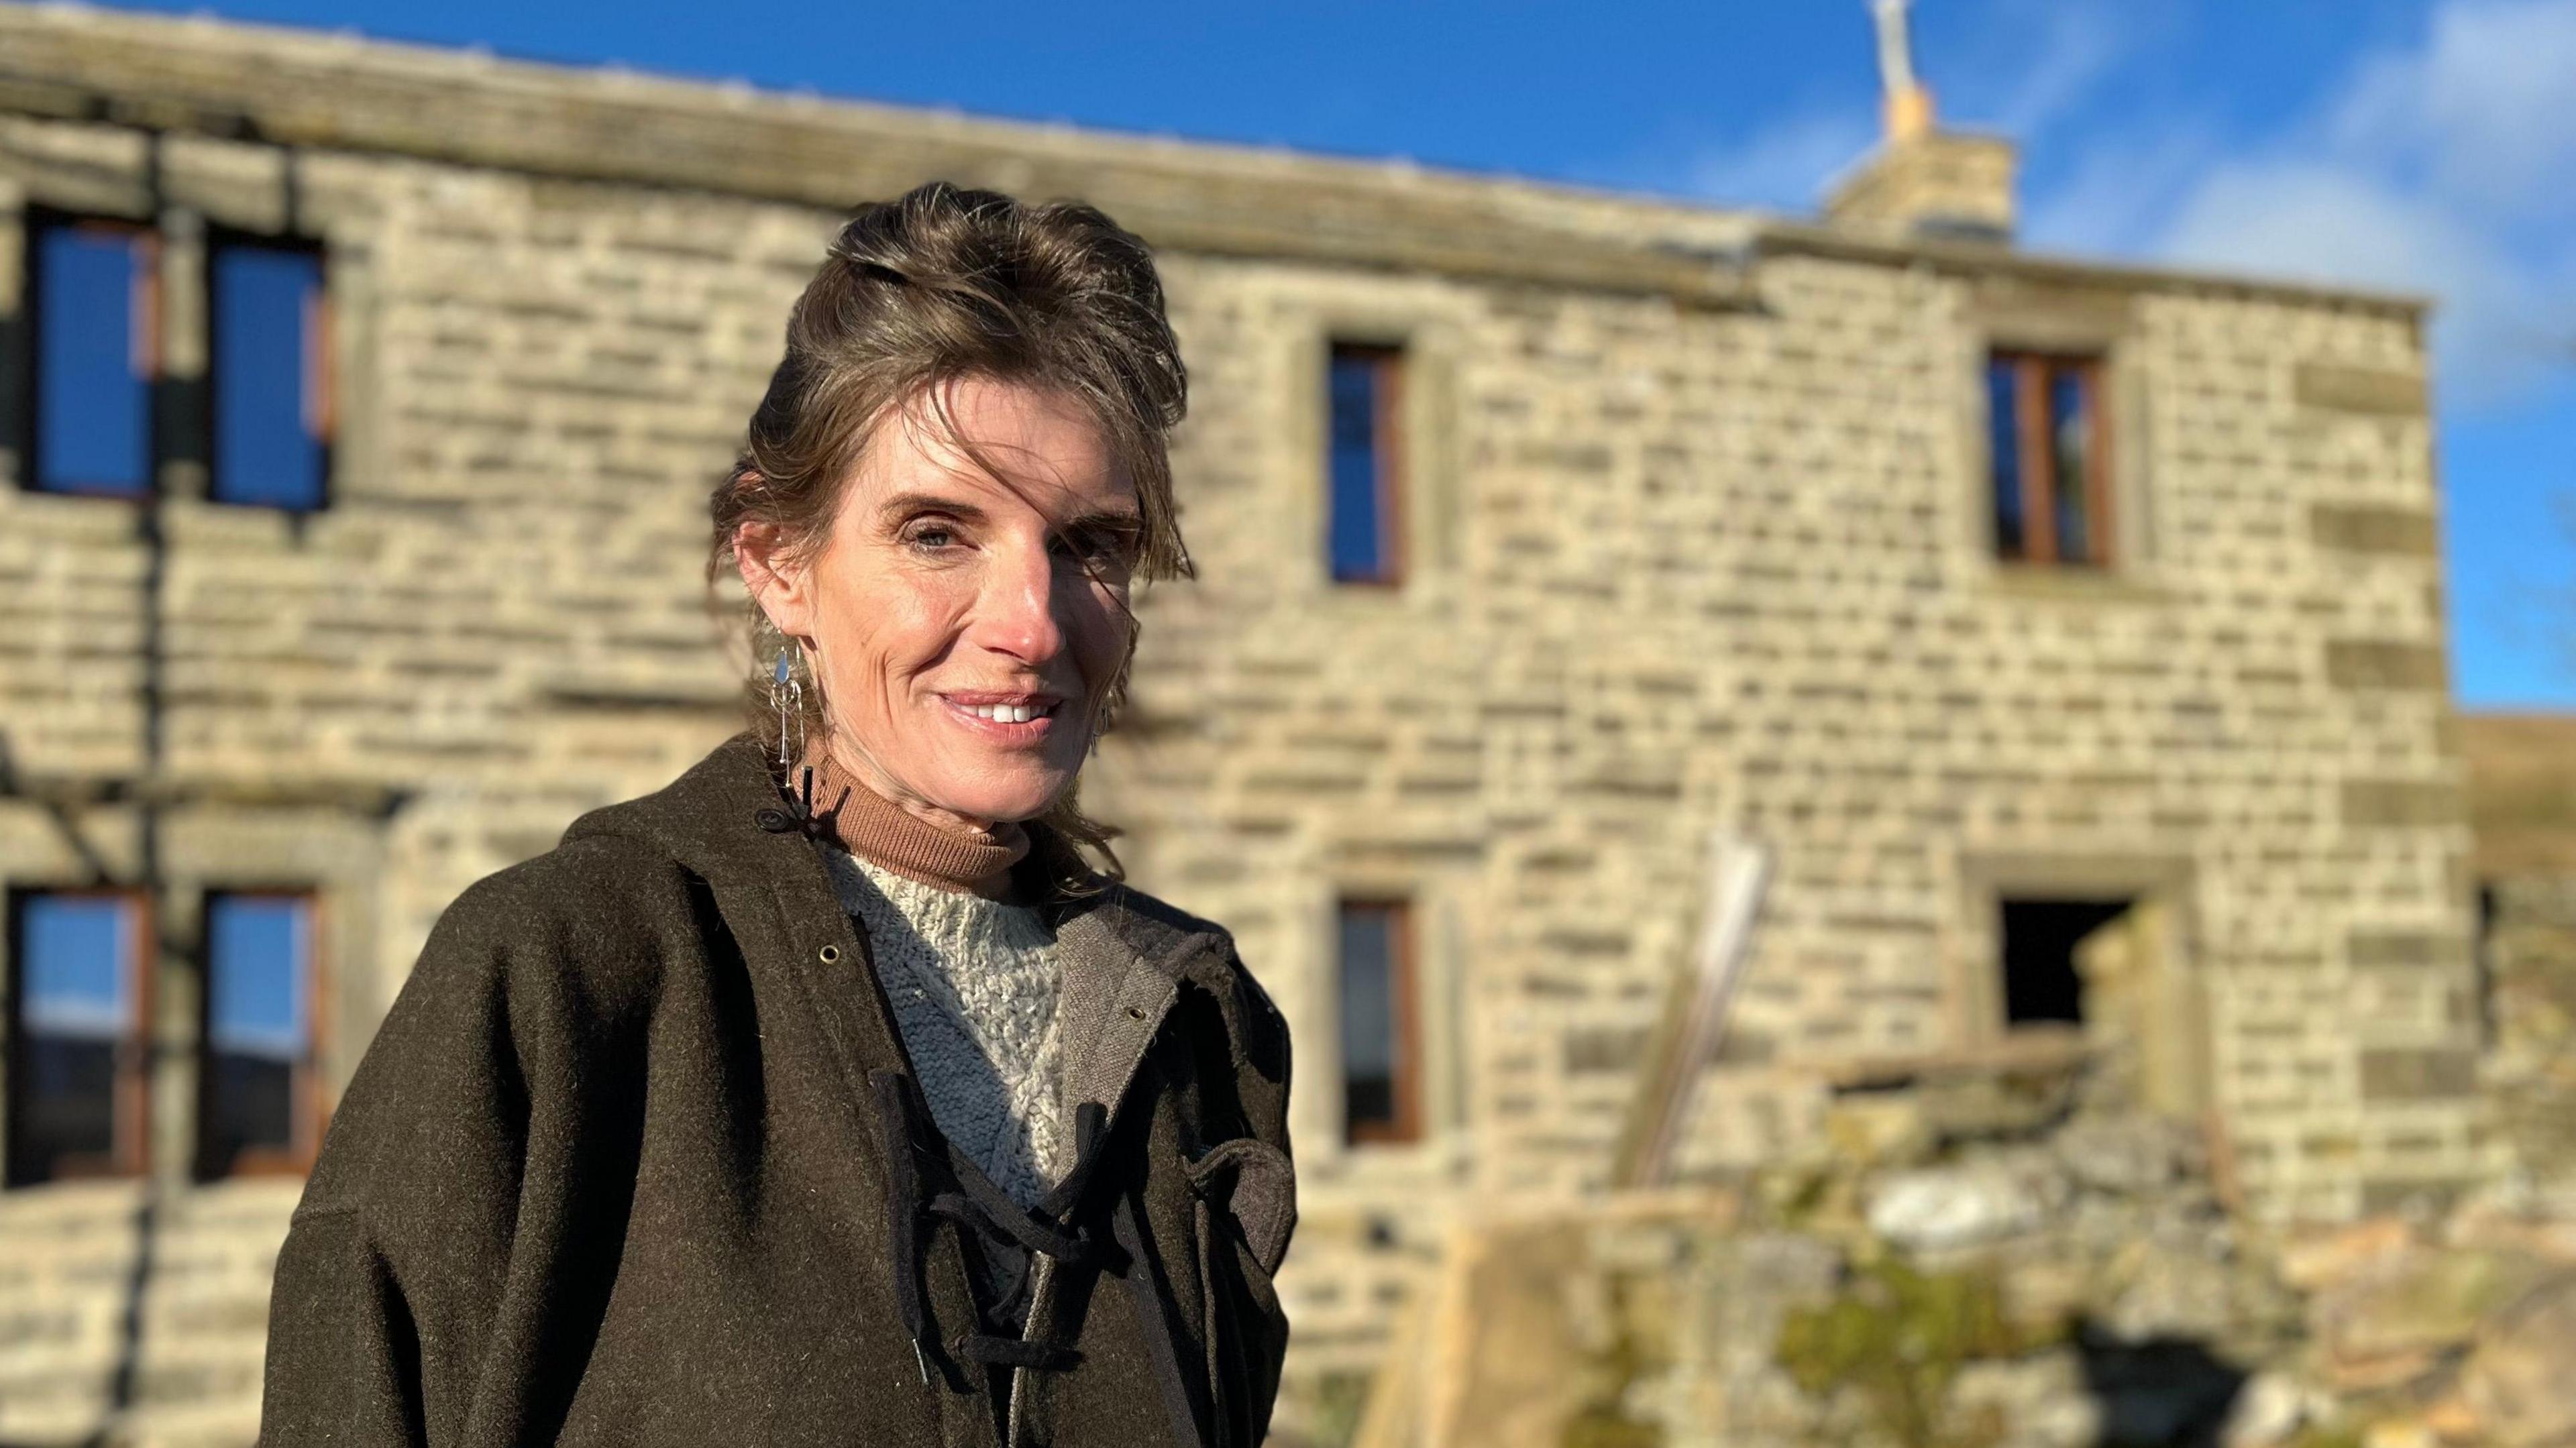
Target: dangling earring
787, 695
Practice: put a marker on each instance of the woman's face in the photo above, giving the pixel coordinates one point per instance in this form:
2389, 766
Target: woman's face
964, 629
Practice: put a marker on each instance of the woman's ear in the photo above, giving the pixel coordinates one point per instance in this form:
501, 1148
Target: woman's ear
780, 581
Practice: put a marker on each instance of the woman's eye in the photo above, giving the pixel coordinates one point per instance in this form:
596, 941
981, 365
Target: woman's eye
1104, 548
931, 536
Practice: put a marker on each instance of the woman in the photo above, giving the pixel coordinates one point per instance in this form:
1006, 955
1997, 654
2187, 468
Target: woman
827, 1095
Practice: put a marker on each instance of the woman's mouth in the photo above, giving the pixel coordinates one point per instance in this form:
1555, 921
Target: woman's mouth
1014, 719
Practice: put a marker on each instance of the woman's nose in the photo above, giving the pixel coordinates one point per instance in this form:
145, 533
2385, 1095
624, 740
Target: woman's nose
1016, 613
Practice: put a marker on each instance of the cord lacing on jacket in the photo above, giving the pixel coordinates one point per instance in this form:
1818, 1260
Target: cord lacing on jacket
990, 1222
992, 1227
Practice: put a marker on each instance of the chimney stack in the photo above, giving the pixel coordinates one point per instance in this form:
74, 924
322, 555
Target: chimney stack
1923, 181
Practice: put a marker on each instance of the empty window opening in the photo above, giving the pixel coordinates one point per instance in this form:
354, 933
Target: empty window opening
2048, 451
271, 374
255, 1093
76, 1037
1380, 1037
2483, 964
1364, 449
96, 316
2041, 981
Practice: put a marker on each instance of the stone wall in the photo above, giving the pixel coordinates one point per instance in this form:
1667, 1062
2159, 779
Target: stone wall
1727, 569
1697, 526
156, 1300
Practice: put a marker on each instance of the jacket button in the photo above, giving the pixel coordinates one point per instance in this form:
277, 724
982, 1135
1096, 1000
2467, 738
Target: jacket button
776, 821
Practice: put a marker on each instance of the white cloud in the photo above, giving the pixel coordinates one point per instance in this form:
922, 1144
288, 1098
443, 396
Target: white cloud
2323, 221
2122, 191
2447, 167
2481, 112
1782, 166
2501, 310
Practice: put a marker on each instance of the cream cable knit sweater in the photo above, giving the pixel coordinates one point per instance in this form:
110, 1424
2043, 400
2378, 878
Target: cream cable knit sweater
974, 984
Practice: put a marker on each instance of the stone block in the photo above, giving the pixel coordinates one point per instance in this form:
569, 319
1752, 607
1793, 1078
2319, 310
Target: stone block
2368, 528
1939, 1208
1600, 1049
2373, 949
2403, 803
2386, 664
2417, 1073
2371, 391
2520, 1379
2391, 1324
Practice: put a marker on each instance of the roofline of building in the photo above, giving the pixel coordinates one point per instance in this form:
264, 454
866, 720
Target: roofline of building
1785, 237
338, 91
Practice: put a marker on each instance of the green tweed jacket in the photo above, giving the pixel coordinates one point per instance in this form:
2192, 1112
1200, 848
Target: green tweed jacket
638, 1158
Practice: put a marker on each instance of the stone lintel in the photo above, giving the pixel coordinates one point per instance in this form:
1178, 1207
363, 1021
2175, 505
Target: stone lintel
1794, 238
2406, 803
2385, 664
2374, 528
2412, 1073
2372, 391
2404, 949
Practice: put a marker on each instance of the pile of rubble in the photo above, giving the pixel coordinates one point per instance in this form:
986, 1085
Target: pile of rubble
1990, 1262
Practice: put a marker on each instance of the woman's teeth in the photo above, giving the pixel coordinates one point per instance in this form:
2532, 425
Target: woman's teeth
1008, 713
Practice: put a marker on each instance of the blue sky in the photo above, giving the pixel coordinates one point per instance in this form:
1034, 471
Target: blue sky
2417, 144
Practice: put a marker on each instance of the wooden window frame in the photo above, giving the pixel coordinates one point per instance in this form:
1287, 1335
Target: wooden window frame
1404, 1125
319, 392
1387, 361
307, 1101
130, 1154
149, 346
2031, 370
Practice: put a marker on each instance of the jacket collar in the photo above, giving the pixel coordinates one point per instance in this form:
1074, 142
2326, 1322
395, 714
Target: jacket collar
1125, 953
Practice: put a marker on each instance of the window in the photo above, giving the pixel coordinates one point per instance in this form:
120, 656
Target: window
258, 1110
1364, 449
76, 1036
96, 316
270, 376
1381, 1032
2049, 451
2041, 981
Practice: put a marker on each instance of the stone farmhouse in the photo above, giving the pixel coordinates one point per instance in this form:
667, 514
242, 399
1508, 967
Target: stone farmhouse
1653, 668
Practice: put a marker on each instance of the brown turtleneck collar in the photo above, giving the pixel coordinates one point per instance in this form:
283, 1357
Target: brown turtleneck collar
884, 833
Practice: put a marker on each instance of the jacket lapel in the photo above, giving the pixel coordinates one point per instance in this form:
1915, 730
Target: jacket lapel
725, 820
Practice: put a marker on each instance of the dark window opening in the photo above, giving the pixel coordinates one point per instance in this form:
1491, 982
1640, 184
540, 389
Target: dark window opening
2482, 966
94, 307
77, 1059
255, 1092
270, 372
2041, 982
2048, 455
1363, 446
1381, 1055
